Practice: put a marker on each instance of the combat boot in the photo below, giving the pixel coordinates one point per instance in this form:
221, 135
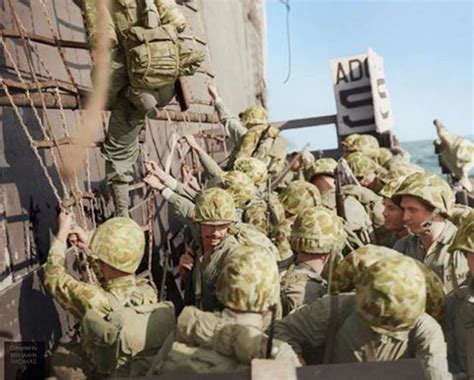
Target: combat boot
120, 198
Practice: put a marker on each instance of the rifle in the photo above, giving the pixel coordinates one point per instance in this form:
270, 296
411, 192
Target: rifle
273, 310
282, 175
163, 277
341, 211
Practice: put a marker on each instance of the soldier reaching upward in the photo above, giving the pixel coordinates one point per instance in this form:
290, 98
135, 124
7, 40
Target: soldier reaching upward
122, 324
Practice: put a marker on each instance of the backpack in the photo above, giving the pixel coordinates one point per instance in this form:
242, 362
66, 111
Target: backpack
372, 203
156, 57
125, 342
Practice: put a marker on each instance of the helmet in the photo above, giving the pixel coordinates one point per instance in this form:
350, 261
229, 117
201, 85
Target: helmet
298, 196
431, 189
254, 168
391, 294
392, 180
120, 243
366, 143
360, 164
435, 293
391, 187
317, 230
464, 239
239, 186
307, 159
323, 166
361, 143
254, 115
348, 272
350, 140
249, 279
382, 156
215, 206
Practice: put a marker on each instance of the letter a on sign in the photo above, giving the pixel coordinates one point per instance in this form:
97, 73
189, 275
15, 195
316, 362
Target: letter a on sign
361, 96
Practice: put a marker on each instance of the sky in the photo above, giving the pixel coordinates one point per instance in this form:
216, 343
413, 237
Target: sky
427, 47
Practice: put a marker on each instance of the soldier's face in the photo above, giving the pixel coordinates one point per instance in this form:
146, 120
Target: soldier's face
415, 213
393, 215
212, 235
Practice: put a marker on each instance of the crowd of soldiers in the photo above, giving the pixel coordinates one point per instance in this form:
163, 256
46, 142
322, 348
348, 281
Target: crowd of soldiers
287, 257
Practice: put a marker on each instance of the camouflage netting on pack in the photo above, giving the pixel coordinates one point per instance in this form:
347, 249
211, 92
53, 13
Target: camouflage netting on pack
391, 294
431, 189
120, 243
464, 239
249, 280
156, 57
254, 168
255, 115
215, 206
298, 196
349, 271
457, 154
323, 166
317, 230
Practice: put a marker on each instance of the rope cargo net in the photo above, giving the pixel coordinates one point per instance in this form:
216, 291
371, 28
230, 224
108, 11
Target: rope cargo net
46, 93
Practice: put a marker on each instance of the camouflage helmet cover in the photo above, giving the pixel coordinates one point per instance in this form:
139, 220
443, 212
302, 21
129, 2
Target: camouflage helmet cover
464, 239
360, 164
120, 243
298, 196
254, 168
249, 280
391, 294
392, 180
317, 230
361, 143
429, 188
215, 206
348, 272
323, 166
254, 115
239, 185
382, 156
350, 140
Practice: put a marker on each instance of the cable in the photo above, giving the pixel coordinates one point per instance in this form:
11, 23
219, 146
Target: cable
286, 3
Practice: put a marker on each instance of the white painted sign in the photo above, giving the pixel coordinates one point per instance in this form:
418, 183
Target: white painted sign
381, 101
361, 97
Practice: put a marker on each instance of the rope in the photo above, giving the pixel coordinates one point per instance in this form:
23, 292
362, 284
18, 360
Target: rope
22, 30
286, 3
31, 141
60, 49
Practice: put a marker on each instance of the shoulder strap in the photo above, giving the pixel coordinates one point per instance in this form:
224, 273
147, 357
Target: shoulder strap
332, 329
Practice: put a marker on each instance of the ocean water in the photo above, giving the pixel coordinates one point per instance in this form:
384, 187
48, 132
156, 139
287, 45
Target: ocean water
422, 153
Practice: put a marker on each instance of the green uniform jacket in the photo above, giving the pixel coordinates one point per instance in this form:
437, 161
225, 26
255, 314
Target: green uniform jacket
220, 342
300, 286
388, 238
437, 258
77, 297
460, 330
355, 338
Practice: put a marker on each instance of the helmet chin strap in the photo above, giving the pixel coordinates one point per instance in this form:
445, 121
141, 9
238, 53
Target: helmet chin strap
426, 226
